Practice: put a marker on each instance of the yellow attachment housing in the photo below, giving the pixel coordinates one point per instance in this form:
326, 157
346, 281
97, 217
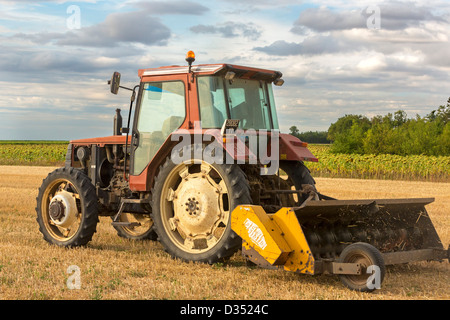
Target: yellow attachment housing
277, 238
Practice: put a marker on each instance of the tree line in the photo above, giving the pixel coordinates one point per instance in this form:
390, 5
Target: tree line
388, 134
310, 136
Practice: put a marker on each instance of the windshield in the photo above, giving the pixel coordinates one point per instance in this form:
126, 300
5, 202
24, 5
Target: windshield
250, 101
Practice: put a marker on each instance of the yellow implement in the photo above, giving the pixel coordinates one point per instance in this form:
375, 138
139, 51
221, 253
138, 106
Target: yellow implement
350, 238
276, 239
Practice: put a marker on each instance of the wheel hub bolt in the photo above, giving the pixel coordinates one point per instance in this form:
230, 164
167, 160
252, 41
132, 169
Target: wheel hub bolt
192, 206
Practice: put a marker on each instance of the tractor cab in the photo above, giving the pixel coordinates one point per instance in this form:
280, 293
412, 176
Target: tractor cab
199, 97
203, 96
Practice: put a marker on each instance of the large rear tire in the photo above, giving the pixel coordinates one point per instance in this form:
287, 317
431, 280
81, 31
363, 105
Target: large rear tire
191, 209
67, 210
298, 176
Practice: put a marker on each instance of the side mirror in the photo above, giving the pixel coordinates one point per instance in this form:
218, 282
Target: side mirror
115, 82
278, 82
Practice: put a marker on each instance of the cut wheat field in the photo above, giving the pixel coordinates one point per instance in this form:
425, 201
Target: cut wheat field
115, 268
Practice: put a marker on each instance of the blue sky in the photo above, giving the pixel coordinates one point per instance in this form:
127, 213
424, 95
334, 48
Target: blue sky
53, 73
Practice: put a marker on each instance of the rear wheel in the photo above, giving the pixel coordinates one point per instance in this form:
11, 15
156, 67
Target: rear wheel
371, 263
67, 211
191, 209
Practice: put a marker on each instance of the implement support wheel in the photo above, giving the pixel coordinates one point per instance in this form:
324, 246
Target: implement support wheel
372, 266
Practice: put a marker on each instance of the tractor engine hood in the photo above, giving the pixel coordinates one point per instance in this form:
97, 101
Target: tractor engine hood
101, 141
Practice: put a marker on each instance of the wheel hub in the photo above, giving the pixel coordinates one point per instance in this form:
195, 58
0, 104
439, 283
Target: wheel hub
192, 206
196, 206
63, 209
56, 210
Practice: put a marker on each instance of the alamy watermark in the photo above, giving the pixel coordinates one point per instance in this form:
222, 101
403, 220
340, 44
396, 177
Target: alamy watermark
73, 21
74, 279
229, 147
374, 280
373, 21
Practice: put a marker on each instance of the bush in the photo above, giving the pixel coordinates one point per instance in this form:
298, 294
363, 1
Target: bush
393, 134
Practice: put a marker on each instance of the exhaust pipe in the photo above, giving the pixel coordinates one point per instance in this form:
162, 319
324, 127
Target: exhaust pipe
117, 130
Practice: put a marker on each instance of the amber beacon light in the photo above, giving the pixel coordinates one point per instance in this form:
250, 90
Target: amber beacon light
190, 57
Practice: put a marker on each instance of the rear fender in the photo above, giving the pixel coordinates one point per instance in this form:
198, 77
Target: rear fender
239, 147
292, 148
232, 146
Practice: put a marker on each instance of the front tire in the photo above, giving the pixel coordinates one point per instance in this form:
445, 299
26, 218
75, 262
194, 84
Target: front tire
191, 209
67, 209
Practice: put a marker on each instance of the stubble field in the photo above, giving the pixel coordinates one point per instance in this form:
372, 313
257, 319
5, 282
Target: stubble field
115, 268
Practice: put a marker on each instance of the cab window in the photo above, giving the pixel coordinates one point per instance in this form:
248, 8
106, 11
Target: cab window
162, 111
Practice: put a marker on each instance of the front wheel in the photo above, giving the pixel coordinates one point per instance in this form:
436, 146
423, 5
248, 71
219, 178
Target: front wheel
191, 209
67, 210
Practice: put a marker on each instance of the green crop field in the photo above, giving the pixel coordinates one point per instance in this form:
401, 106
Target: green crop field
421, 167
384, 166
33, 142
32, 153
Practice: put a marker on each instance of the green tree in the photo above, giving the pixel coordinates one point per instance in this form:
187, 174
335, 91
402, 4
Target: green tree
400, 118
347, 134
443, 147
314, 136
383, 136
294, 131
393, 133
442, 114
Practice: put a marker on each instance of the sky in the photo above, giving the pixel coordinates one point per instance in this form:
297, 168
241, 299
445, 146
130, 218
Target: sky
337, 57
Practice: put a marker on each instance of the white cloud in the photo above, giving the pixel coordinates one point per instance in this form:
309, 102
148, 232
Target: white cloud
171, 7
376, 62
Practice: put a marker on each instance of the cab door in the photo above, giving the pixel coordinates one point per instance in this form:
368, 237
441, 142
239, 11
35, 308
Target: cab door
161, 110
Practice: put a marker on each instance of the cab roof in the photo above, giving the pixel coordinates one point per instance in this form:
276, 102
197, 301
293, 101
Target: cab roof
213, 69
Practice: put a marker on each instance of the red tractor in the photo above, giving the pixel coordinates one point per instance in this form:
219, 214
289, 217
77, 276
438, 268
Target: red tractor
132, 177
198, 149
